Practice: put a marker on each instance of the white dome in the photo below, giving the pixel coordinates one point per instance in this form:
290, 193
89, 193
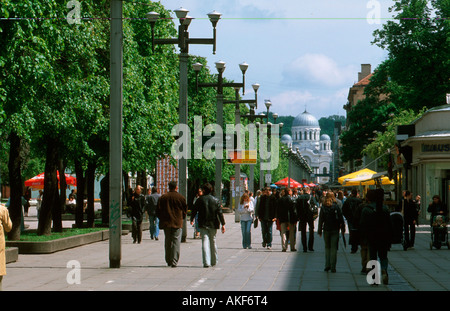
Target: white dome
325, 137
286, 139
305, 119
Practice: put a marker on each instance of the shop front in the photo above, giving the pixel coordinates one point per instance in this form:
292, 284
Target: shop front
429, 170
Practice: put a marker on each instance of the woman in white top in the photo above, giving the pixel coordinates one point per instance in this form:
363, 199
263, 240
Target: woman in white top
246, 210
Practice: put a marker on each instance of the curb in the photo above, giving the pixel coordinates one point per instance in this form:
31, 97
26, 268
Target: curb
11, 254
49, 247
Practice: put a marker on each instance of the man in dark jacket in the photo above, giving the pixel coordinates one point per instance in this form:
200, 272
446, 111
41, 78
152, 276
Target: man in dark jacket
151, 203
376, 227
265, 211
171, 211
306, 217
348, 210
210, 217
409, 218
137, 213
287, 217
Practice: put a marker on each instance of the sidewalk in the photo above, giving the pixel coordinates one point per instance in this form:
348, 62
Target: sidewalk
143, 267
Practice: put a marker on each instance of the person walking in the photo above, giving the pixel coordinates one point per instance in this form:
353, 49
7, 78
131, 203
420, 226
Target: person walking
196, 228
376, 227
210, 217
409, 219
246, 211
286, 215
151, 203
137, 214
5, 226
364, 244
418, 203
331, 222
171, 211
306, 217
348, 210
265, 212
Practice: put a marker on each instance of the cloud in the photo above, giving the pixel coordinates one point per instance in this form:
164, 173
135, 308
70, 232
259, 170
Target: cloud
319, 104
292, 101
317, 70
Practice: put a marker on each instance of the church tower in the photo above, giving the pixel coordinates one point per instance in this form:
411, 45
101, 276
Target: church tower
316, 149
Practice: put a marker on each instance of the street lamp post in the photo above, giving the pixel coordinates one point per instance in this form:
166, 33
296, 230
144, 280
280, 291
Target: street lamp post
237, 115
253, 104
268, 104
115, 144
220, 66
183, 41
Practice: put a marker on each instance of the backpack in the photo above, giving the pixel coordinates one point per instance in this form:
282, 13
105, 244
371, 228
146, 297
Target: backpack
332, 217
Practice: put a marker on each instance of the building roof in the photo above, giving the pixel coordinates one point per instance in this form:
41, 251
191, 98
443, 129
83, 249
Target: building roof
365, 81
305, 119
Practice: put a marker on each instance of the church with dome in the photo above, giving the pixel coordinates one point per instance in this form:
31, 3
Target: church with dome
315, 148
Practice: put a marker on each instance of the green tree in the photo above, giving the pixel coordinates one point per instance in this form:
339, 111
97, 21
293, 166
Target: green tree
418, 43
386, 140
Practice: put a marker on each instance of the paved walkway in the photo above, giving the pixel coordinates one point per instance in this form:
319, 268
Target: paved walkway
143, 267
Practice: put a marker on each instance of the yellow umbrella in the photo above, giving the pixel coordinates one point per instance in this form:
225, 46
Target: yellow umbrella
364, 177
361, 175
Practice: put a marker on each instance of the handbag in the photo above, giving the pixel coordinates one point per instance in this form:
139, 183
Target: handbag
313, 207
255, 223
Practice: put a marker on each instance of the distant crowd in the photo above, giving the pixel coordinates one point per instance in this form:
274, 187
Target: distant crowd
372, 227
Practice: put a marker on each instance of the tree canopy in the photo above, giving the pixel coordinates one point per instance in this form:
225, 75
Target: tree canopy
415, 74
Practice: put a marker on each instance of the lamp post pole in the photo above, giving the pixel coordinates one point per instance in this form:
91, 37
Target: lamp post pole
115, 153
183, 41
220, 66
252, 117
237, 172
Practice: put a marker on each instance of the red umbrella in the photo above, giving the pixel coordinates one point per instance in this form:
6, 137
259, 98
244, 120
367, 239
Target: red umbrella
312, 185
37, 182
284, 182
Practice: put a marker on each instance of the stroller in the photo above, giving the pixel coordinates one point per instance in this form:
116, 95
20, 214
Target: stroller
397, 229
439, 232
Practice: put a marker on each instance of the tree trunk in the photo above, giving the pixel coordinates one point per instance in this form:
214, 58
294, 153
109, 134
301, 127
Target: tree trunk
80, 194
90, 176
50, 199
61, 203
15, 180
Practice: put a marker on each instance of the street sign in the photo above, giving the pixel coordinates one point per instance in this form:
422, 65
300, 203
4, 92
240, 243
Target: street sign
242, 157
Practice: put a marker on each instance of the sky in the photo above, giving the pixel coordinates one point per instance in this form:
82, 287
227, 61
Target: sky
304, 54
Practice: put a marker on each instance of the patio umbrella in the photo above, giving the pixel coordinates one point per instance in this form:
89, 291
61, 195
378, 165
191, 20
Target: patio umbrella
37, 182
284, 182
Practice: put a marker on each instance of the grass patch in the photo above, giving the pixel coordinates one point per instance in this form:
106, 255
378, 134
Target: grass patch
33, 237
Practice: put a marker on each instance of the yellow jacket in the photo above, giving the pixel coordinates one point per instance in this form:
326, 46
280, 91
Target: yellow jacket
5, 225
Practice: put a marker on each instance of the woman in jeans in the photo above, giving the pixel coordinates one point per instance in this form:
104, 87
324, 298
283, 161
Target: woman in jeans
330, 222
246, 210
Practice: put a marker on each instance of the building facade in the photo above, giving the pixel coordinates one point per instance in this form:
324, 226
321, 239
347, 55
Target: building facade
428, 172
